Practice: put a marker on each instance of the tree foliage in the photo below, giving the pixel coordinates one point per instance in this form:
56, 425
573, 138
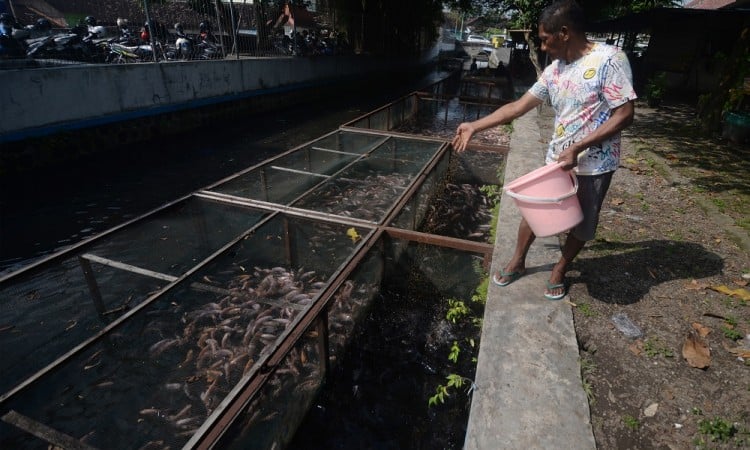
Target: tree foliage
524, 14
387, 26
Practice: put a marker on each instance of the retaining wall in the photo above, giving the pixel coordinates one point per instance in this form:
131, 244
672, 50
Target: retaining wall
51, 113
45, 100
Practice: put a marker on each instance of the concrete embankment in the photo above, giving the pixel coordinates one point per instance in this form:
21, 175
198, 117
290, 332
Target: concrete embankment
529, 392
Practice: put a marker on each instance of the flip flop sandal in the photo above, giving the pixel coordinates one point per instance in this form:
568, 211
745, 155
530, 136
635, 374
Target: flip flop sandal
511, 277
551, 287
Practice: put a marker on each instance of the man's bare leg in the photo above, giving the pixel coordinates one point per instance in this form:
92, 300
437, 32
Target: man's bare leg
517, 263
570, 250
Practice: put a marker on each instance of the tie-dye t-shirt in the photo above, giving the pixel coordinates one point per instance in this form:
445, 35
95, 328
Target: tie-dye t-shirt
583, 94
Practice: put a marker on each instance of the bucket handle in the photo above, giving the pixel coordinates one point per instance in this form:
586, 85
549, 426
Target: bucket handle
543, 200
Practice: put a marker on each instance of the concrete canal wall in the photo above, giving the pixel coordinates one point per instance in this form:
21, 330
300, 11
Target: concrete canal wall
42, 101
51, 114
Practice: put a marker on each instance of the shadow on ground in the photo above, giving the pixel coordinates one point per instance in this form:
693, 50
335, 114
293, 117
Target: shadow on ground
717, 164
622, 273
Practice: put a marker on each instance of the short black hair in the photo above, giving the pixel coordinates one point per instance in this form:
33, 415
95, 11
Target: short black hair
562, 13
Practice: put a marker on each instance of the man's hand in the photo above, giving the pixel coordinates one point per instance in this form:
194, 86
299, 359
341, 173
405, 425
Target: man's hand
568, 159
464, 132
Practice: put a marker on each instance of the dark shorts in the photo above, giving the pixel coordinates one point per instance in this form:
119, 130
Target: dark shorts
591, 192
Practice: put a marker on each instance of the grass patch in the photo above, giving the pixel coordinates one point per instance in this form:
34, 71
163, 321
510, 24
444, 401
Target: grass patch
586, 310
676, 235
653, 348
716, 430
720, 204
587, 367
631, 422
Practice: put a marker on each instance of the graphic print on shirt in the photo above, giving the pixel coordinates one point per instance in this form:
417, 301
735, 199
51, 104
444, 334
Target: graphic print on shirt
583, 94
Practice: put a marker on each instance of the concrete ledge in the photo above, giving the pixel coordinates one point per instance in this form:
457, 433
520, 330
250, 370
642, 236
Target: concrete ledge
529, 392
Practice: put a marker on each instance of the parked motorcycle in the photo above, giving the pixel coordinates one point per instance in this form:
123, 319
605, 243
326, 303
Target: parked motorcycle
184, 44
10, 47
74, 45
207, 46
94, 30
125, 37
117, 53
282, 43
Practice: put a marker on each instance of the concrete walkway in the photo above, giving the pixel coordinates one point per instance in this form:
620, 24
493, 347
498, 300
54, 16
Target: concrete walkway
528, 391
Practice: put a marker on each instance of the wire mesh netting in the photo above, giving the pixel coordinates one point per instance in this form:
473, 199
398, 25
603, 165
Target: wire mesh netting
377, 395
50, 312
166, 369
486, 90
214, 320
435, 116
145, 335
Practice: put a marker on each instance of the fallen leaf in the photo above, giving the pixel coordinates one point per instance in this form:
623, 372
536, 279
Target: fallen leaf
696, 351
741, 282
702, 330
714, 315
352, 233
650, 411
636, 347
617, 201
741, 293
695, 285
740, 352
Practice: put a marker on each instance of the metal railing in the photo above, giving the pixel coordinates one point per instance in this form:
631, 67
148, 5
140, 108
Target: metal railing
125, 32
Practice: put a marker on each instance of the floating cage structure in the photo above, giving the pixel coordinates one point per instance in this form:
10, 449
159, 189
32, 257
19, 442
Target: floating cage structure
423, 114
493, 90
439, 115
213, 320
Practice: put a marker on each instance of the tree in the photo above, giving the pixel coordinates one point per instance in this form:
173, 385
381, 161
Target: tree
524, 14
388, 26
728, 93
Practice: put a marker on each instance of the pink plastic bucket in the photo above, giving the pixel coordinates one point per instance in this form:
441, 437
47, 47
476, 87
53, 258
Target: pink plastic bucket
547, 199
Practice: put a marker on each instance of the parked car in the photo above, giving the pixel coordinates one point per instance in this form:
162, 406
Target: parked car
478, 39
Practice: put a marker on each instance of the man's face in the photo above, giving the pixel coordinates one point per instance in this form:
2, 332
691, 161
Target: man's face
554, 44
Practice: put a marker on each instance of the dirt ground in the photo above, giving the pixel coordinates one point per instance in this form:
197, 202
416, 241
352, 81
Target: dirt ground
672, 255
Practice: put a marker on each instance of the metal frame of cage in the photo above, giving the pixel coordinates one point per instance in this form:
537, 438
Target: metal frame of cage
214, 427
390, 117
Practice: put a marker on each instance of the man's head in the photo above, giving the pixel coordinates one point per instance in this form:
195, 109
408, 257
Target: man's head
560, 24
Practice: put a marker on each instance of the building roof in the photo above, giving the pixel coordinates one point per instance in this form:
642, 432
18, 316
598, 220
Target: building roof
708, 4
660, 17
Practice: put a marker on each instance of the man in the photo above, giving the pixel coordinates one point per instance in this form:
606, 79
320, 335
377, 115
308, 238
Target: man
285, 18
590, 87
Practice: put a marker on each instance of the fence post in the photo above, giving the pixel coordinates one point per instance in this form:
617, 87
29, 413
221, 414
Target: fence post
219, 17
235, 47
150, 29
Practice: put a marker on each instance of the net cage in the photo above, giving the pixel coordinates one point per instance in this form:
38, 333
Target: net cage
213, 320
486, 90
425, 114
437, 112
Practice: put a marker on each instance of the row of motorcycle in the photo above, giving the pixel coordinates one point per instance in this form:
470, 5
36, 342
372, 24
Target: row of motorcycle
89, 42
